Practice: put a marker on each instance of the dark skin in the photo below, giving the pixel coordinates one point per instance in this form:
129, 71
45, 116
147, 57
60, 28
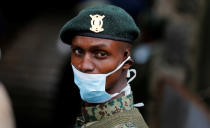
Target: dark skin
100, 56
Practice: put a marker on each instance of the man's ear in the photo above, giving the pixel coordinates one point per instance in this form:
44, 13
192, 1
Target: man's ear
129, 63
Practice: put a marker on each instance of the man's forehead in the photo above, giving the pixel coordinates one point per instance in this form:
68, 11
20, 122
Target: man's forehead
95, 42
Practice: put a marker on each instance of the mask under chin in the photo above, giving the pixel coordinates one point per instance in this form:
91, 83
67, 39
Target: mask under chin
96, 97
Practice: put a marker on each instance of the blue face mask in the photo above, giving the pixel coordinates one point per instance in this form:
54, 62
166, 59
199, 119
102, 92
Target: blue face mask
92, 86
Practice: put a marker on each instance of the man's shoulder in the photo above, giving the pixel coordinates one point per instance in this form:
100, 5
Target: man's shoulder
120, 125
126, 119
126, 125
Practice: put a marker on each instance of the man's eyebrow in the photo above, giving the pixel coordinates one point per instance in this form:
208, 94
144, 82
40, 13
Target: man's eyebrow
99, 46
74, 46
95, 46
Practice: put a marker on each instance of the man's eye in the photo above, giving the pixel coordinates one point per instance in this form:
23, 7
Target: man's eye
101, 54
78, 51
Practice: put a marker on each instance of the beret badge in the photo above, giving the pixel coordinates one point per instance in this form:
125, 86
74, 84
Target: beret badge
96, 23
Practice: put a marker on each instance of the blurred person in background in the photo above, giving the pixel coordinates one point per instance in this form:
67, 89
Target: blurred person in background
101, 39
6, 112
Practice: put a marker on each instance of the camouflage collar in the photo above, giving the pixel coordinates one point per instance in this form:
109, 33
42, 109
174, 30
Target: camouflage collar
98, 112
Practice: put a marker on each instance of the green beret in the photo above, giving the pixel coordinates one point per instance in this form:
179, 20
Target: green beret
101, 21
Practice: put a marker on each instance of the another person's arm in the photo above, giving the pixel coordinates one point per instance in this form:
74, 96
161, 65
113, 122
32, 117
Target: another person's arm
6, 112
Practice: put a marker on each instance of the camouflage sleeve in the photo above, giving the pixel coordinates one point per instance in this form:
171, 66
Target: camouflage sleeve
126, 125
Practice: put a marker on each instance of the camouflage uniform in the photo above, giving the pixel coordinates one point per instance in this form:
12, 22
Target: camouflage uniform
94, 114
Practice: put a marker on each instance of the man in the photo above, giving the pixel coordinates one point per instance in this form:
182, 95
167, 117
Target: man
100, 38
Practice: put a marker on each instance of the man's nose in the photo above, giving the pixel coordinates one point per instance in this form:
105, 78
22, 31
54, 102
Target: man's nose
86, 64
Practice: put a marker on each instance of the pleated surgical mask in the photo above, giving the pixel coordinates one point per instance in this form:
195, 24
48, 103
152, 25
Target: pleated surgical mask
92, 86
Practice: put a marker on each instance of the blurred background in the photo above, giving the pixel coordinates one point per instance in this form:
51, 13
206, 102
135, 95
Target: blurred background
171, 59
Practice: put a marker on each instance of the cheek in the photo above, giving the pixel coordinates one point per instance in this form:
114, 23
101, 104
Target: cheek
113, 79
103, 66
75, 61
106, 65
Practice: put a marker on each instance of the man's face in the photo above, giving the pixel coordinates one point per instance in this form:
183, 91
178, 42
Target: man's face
98, 56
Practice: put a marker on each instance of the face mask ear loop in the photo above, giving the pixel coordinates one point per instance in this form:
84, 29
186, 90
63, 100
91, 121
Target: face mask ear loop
119, 66
131, 79
127, 91
129, 75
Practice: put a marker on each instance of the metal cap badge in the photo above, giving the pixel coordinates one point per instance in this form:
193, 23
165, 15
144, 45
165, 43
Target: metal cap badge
96, 23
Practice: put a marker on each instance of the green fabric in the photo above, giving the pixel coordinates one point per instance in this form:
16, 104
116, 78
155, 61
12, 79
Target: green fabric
98, 113
117, 24
126, 119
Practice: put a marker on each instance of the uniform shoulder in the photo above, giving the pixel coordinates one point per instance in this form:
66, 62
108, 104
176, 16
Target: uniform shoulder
126, 125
